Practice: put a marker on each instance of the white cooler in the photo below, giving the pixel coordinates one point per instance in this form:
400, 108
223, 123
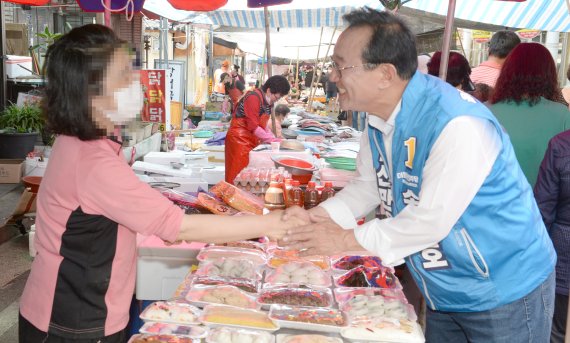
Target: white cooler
14, 66
161, 268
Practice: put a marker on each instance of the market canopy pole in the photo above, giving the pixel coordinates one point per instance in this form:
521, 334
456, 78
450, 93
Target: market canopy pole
108, 13
313, 79
324, 59
447, 40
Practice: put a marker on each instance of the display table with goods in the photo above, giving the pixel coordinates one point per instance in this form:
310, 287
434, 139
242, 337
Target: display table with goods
255, 291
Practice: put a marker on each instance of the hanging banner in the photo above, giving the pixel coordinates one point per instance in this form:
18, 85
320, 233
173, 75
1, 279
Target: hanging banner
527, 34
154, 87
481, 36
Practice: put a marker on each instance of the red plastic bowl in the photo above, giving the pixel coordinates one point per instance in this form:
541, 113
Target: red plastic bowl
32, 182
303, 179
289, 162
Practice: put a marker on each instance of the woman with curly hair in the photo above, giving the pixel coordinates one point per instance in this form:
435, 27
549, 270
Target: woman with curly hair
525, 102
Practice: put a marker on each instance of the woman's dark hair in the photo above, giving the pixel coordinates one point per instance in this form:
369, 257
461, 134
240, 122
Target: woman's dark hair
458, 69
391, 42
529, 73
277, 84
482, 92
75, 68
502, 43
223, 76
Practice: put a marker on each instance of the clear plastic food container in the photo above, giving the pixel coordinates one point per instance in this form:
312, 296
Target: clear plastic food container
196, 332
201, 295
344, 294
172, 313
308, 318
145, 338
220, 315
302, 296
215, 252
236, 335
298, 273
250, 286
230, 267
368, 277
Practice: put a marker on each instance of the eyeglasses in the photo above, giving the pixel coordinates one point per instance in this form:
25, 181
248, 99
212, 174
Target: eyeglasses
340, 69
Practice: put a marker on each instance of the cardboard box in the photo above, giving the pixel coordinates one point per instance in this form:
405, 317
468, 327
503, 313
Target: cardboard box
11, 170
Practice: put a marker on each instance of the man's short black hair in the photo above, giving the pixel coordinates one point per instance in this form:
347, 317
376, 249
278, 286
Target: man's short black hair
502, 43
75, 67
277, 84
391, 42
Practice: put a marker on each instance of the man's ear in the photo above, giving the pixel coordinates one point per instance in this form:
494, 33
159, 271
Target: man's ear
387, 74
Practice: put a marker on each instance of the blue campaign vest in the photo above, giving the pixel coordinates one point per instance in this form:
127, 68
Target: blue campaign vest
499, 249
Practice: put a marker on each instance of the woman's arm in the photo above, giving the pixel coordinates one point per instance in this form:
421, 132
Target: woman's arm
221, 229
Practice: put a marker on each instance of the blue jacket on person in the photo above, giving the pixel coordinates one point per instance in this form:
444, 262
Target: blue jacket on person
499, 250
552, 193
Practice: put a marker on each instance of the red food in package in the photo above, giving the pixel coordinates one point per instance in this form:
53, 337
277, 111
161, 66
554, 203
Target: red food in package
215, 206
237, 198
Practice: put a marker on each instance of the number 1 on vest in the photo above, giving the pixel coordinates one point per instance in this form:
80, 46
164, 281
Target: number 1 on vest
411, 145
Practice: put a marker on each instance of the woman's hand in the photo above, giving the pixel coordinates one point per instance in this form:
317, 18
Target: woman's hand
278, 225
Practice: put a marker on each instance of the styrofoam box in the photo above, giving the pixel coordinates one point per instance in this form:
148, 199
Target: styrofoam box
164, 157
161, 268
15, 63
186, 184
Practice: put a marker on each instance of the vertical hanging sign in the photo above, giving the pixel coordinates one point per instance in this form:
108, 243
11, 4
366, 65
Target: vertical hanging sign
154, 86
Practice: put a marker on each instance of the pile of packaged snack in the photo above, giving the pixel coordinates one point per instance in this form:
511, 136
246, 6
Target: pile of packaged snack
259, 293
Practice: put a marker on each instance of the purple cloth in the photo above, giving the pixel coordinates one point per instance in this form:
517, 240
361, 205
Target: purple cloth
219, 138
96, 6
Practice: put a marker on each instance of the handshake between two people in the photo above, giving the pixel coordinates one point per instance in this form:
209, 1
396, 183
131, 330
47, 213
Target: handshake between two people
313, 232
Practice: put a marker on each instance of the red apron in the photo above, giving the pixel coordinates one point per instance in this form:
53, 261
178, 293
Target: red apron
240, 140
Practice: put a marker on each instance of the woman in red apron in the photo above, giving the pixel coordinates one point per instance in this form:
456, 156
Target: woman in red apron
249, 122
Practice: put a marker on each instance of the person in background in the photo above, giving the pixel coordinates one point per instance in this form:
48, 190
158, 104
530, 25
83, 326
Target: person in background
566, 90
500, 46
482, 92
91, 205
225, 68
280, 112
220, 87
552, 193
234, 88
308, 77
524, 102
423, 60
458, 207
236, 75
358, 120
458, 70
248, 127
330, 86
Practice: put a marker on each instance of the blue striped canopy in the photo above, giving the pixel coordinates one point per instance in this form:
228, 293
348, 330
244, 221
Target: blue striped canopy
545, 15
293, 18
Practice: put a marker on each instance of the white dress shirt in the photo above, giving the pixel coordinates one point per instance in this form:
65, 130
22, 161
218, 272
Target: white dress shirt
458, 163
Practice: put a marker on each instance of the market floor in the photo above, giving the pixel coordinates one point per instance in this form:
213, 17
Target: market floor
15, 263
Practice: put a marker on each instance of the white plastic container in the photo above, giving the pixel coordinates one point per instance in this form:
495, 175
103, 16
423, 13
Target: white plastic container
17, 66
31, 241
161, 268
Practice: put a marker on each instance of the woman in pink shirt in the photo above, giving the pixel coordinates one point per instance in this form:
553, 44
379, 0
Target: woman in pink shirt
91, 205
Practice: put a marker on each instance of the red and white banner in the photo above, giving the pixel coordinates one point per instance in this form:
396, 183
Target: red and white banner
154, 87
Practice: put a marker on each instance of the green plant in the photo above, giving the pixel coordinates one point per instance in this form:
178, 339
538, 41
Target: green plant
48, 37
23, 119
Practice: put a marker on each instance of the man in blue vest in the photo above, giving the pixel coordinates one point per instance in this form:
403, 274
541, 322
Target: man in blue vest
459, 209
